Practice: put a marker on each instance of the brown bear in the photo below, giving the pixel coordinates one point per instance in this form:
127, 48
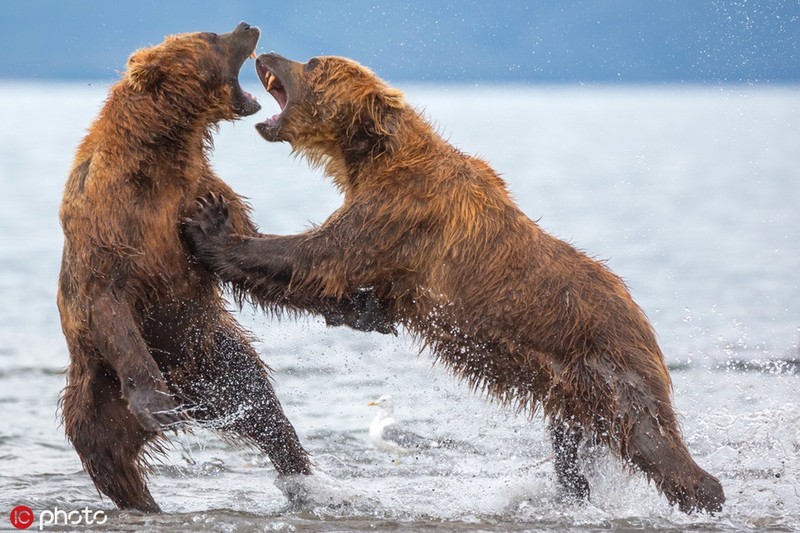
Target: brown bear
151, 342
520, 314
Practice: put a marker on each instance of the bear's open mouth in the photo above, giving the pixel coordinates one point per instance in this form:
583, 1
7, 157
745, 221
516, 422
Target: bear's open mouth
275, 87
241, 44
244, 102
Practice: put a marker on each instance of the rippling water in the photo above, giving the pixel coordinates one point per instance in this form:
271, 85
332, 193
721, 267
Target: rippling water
692, 194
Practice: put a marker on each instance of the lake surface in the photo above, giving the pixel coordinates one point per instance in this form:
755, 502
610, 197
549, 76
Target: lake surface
691, 194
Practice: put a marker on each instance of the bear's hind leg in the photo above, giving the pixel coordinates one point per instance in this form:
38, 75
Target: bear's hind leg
662, 455
632, 413
107, 437
234, 394
566, 438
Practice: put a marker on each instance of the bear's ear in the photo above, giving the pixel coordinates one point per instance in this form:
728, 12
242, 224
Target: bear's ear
145, 71
393, 98
373, 124
380, 107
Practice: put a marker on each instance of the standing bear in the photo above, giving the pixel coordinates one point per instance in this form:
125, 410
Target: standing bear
151, 342
520, 314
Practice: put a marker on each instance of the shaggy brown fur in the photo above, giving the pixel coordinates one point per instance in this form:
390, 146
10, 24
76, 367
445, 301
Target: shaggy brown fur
522, 315
150, 340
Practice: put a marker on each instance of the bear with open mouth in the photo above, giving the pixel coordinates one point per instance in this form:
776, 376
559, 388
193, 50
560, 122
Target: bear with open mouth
152, 344
523, 316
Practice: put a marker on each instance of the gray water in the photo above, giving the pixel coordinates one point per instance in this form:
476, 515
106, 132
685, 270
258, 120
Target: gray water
693, 196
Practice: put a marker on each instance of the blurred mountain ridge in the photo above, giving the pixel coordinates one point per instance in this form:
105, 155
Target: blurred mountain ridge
620, 41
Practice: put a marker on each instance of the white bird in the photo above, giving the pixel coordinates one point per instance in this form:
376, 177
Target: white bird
388, 436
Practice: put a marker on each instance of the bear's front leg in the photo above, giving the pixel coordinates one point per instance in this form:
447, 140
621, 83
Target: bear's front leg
272, 269
234, 258
119, 341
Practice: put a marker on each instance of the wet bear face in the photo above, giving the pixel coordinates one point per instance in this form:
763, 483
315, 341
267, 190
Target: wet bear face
197, 73
329, 105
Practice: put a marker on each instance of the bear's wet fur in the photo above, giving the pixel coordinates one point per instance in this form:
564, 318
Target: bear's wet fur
524, 316
151, 342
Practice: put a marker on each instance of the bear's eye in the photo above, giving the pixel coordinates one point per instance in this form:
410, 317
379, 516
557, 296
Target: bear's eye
311, 64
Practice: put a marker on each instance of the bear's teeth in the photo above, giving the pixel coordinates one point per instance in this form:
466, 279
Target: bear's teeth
253, 54
270, 80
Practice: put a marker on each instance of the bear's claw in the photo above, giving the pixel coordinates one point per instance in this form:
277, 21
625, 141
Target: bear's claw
155, 410
207, 229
